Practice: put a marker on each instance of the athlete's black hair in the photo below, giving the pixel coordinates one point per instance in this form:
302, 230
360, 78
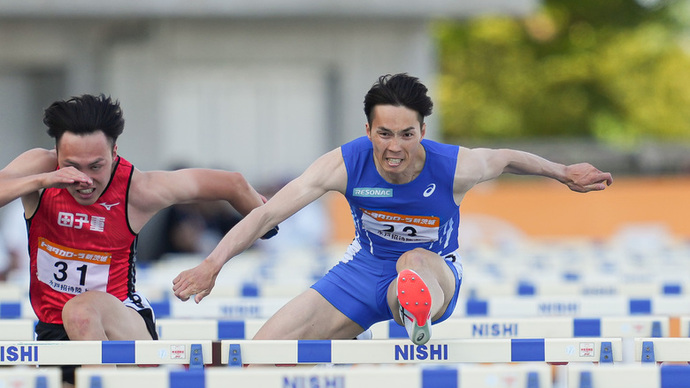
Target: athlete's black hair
398, 90
84, 115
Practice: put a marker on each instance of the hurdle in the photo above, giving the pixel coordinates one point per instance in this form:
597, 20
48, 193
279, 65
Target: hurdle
207, 329
452, 328
143, 352
11, 292
17, 329
563, 287
628, 375
19, 308
587, 306
476, 376
552, 350
50, 377
662, 349
546, 327
503, 307
219, 308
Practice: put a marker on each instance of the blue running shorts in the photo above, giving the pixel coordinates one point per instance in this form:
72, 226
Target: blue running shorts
358, 287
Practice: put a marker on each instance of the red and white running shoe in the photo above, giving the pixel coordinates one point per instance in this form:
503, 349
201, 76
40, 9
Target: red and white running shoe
415, 306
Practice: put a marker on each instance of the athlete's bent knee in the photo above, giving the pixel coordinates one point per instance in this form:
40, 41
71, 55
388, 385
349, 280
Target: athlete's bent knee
79, 317
413, 259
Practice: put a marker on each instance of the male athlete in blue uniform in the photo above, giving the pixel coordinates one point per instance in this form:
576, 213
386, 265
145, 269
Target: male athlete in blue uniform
404, 193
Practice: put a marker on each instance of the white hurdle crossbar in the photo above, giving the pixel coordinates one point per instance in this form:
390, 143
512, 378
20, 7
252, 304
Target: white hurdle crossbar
413, 376
144, 352
553, 350
628, 375
662, 349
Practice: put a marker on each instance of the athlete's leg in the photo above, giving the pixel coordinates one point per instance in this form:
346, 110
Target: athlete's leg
308, 316
99, 316
436, 280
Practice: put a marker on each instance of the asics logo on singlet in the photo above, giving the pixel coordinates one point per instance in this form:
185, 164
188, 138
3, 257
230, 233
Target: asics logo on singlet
429, 190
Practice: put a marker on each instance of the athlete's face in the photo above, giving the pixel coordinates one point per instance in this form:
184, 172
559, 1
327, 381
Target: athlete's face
396, 134
92, 155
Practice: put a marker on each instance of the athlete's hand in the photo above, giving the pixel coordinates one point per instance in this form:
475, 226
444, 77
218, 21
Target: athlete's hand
583, 177
64, 177
198, 281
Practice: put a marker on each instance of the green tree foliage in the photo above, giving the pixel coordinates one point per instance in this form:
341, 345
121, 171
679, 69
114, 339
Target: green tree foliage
616, 71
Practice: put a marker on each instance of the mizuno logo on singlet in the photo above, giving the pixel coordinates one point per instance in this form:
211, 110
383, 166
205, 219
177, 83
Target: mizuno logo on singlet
371, 192
429, 190
107, 206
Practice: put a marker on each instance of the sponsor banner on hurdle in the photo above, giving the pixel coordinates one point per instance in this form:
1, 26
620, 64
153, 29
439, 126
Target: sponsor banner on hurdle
436, 351
363, 376
105, 352
590, 306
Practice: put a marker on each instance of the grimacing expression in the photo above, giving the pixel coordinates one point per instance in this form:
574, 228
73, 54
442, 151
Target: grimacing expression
396, 134
91, 154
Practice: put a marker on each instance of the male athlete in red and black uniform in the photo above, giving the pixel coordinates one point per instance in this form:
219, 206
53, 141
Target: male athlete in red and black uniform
84, 206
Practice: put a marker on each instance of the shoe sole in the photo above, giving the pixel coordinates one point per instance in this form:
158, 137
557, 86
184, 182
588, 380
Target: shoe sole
414, 297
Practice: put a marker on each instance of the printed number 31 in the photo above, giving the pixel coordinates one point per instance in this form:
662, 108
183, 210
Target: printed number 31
61, 276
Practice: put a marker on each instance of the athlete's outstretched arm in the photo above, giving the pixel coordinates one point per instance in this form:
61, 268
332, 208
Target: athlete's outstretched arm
326, 174
155, 190
483, 164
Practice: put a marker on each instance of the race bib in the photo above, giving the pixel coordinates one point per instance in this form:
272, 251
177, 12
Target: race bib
70, 270
400, 227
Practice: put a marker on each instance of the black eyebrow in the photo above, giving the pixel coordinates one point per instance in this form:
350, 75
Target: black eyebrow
74, 164
390, 130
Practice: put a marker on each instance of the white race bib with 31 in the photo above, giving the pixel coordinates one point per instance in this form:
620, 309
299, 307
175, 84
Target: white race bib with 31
70, 270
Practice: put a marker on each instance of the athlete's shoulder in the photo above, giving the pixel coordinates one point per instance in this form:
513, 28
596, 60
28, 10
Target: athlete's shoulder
357, 145
124, 162
438, 147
